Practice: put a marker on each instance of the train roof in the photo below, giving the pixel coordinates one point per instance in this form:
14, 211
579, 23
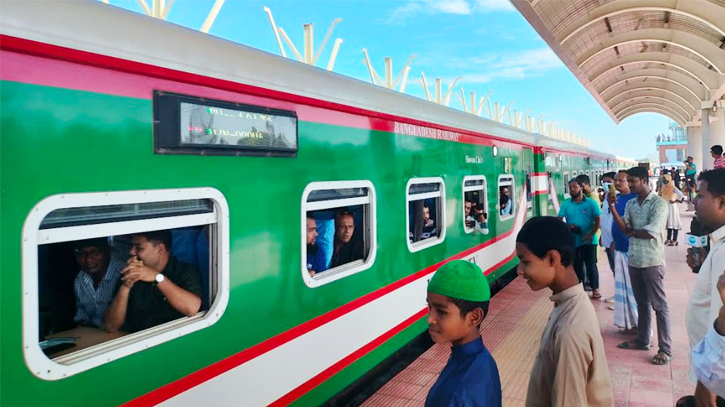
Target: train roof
99, 28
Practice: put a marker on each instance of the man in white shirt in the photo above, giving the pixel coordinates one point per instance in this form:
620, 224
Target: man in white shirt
705, 302
708, 361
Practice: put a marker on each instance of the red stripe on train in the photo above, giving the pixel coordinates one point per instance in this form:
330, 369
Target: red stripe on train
309, 109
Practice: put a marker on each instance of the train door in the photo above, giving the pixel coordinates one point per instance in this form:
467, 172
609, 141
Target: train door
527, 157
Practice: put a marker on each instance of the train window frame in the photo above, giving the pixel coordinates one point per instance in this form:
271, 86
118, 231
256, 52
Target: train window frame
442, 221
33, 237
566, 183
528, 184
354, 267
510, 181
483, 188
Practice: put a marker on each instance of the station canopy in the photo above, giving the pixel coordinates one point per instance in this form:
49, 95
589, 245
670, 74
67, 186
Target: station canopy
635, 56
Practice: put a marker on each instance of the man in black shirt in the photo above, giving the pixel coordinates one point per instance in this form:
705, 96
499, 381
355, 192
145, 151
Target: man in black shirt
157, 288
346, 249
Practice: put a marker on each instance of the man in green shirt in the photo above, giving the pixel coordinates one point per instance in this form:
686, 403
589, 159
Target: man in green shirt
690, 172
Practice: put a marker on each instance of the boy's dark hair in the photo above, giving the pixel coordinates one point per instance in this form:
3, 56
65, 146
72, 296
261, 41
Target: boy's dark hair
584, 179
715, 181
717, 149
638, 172
611, 175
310, 215
467, 306
544, 233
577, 180
158, 236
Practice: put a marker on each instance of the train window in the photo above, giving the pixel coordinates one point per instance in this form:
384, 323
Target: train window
566, 184
98, 270
506, 197
426, 212
338, 230
529, 194
475, 204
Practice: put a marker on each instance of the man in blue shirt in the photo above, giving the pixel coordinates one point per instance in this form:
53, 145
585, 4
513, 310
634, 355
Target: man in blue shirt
458, 296
582, 216
625, 305
316, 262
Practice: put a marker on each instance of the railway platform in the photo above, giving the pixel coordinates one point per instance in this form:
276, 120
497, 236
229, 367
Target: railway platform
512, 330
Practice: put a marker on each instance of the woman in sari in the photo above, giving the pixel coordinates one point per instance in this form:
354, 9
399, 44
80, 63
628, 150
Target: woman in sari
670, 193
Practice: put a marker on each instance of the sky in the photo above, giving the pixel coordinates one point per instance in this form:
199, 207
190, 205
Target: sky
486, 42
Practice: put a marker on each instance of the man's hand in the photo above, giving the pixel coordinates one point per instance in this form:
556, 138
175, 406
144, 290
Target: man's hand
704, 397
612, 198
692, 262
136, 271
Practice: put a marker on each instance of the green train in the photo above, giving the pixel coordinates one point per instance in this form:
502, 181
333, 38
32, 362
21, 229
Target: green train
308, 210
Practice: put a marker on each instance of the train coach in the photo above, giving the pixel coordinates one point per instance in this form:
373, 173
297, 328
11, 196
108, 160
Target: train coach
116, 127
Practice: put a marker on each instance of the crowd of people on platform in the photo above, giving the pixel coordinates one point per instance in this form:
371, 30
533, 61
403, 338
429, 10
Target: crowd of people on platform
634, 222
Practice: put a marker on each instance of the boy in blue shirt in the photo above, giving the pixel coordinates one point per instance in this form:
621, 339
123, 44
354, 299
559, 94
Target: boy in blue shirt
458, 296
582, 216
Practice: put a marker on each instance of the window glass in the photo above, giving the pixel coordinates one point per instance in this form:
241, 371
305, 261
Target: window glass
114, 269
338, 230
425, 204
506, 197
475, 205
566, 183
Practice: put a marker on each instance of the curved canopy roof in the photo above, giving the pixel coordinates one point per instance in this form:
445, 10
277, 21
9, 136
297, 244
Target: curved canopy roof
635, 56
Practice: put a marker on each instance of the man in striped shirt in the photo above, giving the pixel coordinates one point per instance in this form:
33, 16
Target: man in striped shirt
97, 281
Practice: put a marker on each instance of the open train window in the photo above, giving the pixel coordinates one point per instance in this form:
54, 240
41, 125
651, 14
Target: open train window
112, 273
425, 204
475, 204
566, 184
506, 197
338, 230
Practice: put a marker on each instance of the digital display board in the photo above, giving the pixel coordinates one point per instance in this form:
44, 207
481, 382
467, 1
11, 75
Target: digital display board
189, 125
216, 126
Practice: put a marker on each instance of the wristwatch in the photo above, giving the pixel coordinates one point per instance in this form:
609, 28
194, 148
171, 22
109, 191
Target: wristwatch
159, 278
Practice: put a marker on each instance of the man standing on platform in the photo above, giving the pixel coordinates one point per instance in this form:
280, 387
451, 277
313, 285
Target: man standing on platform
705, 302
644, 222
690, 172
582, 216
625, 305
570, 368
716, 152
605, 239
